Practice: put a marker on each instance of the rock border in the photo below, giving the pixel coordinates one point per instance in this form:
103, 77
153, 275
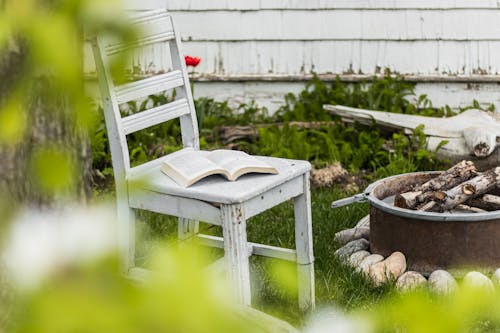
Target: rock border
355, 252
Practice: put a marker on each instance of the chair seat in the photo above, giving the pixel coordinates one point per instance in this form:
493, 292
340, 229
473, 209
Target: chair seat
216, 188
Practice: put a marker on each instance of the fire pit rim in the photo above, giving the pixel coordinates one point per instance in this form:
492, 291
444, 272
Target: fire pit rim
428, 216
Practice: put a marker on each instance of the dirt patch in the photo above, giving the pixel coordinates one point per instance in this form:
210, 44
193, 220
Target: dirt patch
335, 174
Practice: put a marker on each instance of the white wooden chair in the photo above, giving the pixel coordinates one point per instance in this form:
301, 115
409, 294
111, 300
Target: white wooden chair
212, 200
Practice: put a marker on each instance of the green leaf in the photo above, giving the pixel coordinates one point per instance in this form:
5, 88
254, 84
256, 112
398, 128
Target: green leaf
52, 169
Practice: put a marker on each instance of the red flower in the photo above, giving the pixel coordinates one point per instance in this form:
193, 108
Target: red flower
192, 61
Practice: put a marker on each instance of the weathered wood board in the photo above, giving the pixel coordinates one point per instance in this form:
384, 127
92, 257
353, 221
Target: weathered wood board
472, 134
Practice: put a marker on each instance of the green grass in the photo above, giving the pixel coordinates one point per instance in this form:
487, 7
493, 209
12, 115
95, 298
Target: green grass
335, 283
359, 149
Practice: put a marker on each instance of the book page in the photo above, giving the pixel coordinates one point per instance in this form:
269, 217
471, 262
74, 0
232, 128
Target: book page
237, 163
188, 165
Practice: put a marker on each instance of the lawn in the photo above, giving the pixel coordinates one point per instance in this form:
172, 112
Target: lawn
336, 283
366, 152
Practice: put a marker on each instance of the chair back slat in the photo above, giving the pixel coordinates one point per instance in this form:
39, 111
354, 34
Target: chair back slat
155, 116
148, 16
153, 85
156, 38
157, 27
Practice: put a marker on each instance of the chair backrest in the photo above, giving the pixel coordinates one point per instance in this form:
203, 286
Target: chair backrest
158, 27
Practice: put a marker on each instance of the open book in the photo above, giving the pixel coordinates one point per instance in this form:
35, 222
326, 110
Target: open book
187, 166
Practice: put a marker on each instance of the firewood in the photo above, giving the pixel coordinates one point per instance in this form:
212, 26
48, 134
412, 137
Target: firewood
428, 207
411, 200
465, 191
232, 133
469, 209
228, 134
407, 200
455, 175
439, 195
488, 202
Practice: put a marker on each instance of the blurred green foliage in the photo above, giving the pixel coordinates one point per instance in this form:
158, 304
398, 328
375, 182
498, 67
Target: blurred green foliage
471, 309
35, 29
183, 296
51, 168
180, 296
41, 60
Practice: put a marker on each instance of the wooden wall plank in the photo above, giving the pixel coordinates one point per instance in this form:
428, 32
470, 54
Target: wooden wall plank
342, 57
278, 25
204, 5
233, 37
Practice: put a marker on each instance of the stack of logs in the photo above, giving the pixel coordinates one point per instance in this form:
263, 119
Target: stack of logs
460, 188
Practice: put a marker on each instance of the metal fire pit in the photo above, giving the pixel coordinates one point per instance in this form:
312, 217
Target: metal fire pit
429, 241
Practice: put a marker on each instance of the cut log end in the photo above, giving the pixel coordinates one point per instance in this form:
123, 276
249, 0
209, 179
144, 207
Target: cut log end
468, 189
407, 200
440, 195
400, 201
482, 149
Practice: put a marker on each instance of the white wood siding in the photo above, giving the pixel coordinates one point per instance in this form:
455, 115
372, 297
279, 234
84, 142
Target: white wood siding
287, 40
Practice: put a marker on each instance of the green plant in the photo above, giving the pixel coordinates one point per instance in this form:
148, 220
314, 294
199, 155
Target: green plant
181, 296
357, 147
353, 146
389, 93
409, 154
212, 113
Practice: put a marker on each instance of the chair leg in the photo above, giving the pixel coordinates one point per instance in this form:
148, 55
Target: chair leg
187, 228
304, 247
126, 236
236, 251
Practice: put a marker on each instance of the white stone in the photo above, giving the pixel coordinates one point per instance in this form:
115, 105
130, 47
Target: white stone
42, 242
367, 262
348, 235
441, 282
364, 222
496, 277
332, 319
356, 258
391, 268
478, 280
353, 246
410, 280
